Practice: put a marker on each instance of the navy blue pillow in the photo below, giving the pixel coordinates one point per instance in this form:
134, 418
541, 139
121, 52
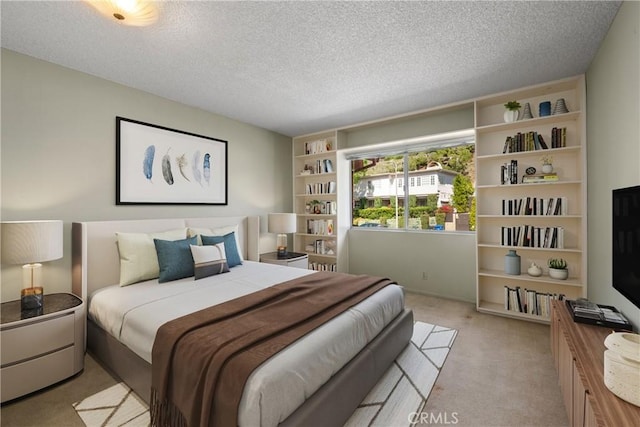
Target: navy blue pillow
230, 247
174, 258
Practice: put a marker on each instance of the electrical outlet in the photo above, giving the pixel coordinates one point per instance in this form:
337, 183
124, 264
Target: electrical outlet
425, 275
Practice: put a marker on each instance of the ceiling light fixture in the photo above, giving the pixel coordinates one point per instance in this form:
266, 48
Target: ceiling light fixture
137, 13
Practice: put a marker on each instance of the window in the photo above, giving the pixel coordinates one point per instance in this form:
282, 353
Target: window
421, 186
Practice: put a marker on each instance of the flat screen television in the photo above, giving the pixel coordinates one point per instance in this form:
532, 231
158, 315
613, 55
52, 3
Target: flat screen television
626, 242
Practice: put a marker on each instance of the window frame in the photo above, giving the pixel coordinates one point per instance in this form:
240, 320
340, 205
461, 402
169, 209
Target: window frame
405, 148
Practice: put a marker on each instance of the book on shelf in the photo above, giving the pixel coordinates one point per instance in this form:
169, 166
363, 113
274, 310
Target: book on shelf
535, 206
529, 301
524, 141
558, 137
324, 247
543, 177
318, 146
320, 166
322, 266
320, 227
320, 188
530, 236
509, 173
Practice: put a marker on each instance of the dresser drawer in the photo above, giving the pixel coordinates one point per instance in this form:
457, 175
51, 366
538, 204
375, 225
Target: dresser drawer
25, 377
37, 338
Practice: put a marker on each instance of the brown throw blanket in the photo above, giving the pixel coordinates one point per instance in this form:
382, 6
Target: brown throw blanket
201, 361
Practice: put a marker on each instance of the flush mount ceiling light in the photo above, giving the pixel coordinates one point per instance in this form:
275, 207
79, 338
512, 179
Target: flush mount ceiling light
136, 13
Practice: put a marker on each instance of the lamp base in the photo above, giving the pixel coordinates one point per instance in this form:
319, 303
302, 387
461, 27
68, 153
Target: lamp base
281, 245
282, 252
31, 298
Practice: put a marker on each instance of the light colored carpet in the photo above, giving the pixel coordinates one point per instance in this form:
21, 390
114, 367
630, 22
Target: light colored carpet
395, 401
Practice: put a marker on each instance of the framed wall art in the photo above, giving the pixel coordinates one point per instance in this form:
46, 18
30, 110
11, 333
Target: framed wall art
159, 165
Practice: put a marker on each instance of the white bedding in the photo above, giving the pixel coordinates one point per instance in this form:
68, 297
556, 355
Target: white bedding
134, 313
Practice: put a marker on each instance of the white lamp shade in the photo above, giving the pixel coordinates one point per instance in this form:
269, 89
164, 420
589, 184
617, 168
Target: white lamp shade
282, 223
26, 242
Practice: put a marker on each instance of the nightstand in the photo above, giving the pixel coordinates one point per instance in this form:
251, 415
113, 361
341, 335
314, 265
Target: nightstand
292, 259
42, 347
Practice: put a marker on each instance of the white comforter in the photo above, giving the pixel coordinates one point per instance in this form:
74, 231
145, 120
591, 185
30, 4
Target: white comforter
134, 313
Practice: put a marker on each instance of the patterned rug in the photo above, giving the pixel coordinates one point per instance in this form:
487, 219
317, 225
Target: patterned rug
402, 391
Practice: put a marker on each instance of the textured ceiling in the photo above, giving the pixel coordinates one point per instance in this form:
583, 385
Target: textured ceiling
301, 67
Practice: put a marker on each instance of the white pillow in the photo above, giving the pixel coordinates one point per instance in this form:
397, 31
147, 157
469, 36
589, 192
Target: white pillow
209, 260
220, 231
138, 257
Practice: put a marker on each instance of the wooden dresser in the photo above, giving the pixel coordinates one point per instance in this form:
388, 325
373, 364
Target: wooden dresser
578, 352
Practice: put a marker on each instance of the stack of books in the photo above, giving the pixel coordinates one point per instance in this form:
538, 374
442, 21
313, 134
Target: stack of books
543, 177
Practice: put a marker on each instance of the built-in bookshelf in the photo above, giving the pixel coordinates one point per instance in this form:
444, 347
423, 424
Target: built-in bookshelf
539, 214
315, 199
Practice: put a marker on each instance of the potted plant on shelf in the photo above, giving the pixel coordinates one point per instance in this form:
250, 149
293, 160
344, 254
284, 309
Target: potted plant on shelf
558, 268
513, 109
547, 164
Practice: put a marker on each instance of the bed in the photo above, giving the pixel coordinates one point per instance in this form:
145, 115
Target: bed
96, 269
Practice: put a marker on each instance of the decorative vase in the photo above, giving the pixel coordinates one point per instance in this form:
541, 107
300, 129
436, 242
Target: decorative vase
526, 113
547, 168
556, 273
510, 116
560, 107
512, 263
534, 270
544, 109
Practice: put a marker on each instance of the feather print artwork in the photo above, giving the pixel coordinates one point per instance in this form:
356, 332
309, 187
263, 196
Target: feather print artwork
194, 167
206, 167
166, 168
147, 162
182, 164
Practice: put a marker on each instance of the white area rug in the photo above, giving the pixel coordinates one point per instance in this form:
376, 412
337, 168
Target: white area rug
405, 387
402, 391
115, 406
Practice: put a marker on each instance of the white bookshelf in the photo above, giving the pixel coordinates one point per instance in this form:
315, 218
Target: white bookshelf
315, 179
570, 164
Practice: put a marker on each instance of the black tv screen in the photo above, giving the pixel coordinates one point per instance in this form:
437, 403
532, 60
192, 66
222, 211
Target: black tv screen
626, 242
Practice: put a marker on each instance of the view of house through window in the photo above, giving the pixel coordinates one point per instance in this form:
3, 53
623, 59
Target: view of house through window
439, 183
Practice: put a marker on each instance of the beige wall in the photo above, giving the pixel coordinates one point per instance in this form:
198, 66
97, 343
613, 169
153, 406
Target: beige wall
453, 119
433, 263
58, 156
613, 145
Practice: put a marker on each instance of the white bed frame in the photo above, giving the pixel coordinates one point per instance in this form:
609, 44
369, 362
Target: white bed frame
96, 264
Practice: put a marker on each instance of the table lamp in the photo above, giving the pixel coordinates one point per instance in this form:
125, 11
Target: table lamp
30, 243
282, 223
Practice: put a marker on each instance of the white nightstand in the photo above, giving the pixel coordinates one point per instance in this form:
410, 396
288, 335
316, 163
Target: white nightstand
292, 259
40, 348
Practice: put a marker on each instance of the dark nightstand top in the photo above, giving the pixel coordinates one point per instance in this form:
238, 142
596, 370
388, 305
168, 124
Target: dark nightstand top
52, 303
289, 255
